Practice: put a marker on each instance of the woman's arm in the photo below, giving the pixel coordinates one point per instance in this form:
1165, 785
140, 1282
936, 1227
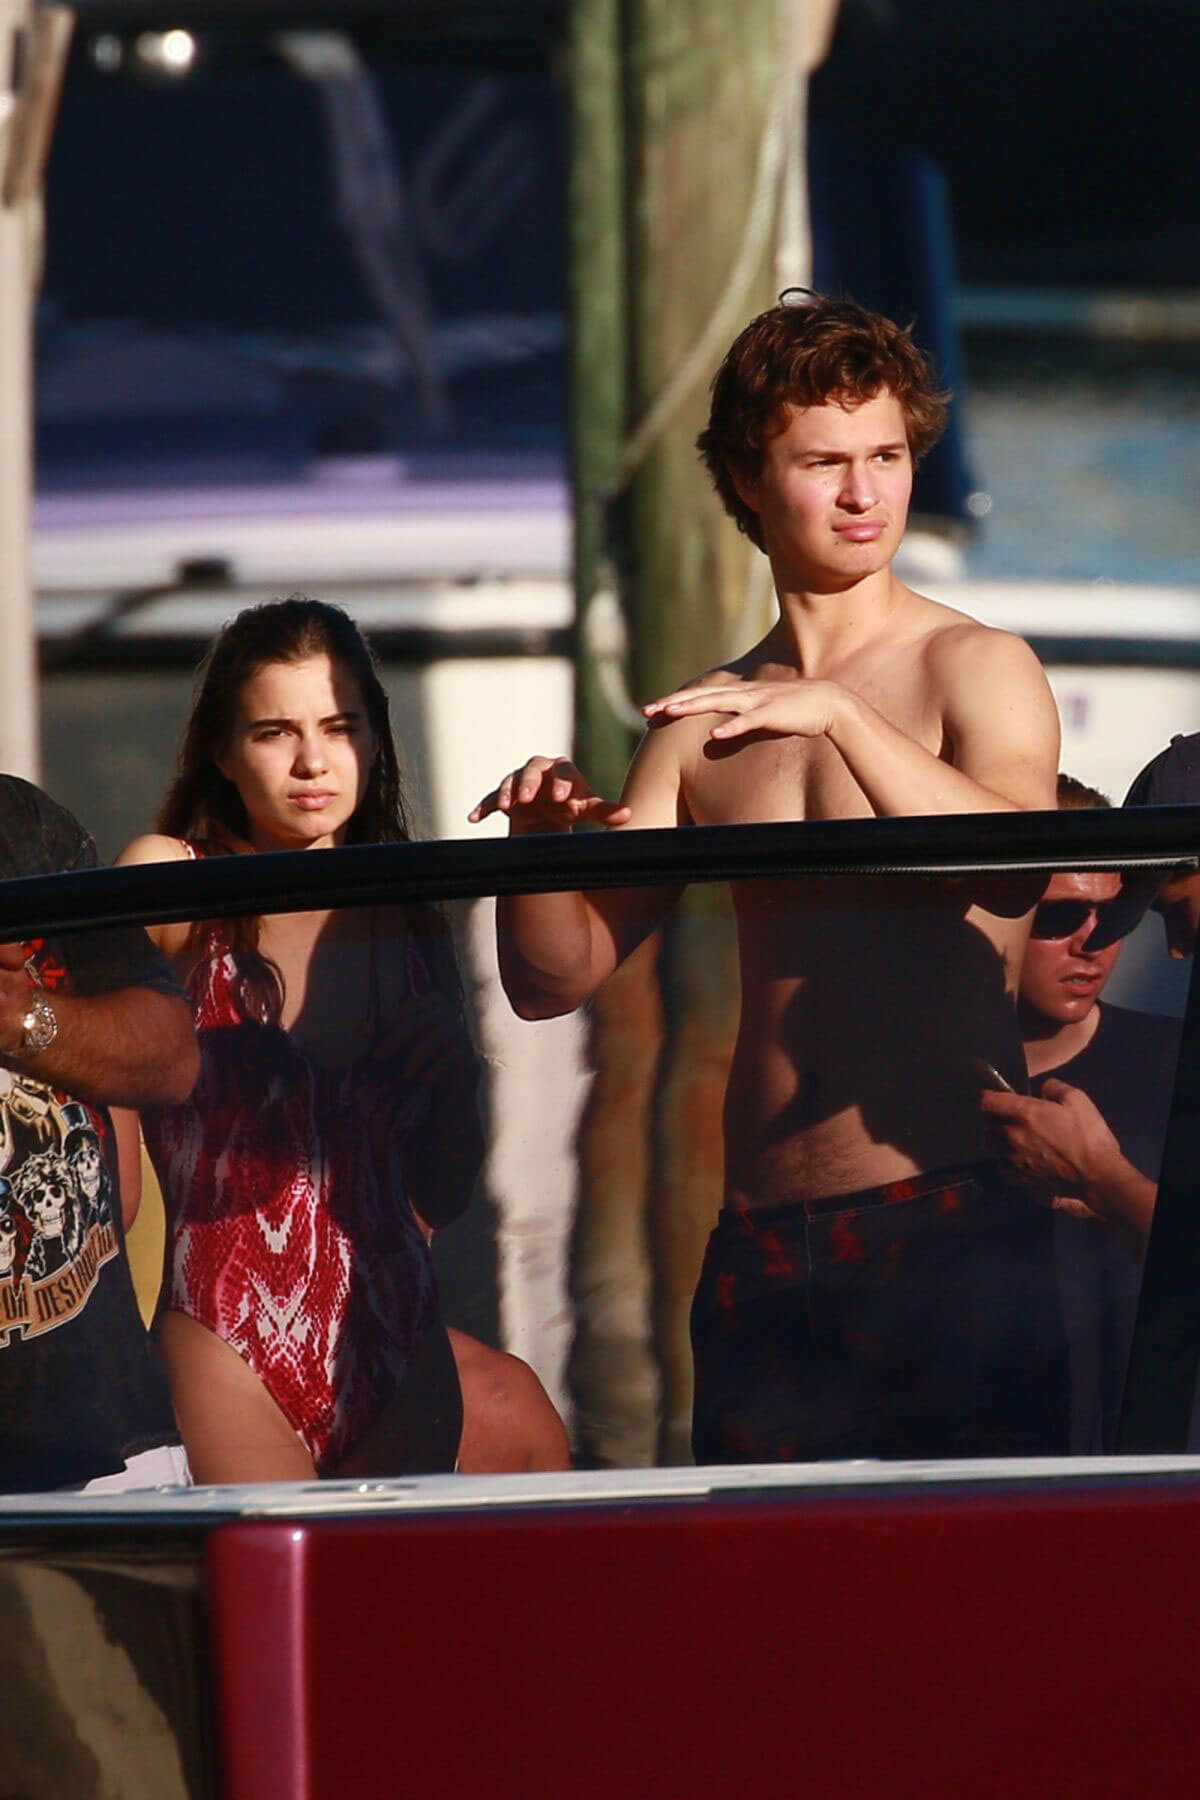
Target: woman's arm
155, 848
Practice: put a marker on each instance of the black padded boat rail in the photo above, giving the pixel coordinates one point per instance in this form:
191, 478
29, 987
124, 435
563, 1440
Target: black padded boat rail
1153, 837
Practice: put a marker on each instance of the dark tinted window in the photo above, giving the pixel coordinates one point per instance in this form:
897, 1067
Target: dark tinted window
744, 1205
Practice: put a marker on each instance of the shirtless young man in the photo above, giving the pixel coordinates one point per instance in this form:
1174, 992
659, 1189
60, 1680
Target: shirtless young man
871, 1288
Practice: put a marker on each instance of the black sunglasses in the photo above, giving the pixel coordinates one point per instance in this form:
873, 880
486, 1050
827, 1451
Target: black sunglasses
1057, 919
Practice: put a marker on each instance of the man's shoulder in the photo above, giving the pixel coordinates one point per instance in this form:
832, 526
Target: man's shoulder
38, 836
1136, 1051
667, 740
1139, 1033
970, 666
953, 638
743, 668
1129, 1069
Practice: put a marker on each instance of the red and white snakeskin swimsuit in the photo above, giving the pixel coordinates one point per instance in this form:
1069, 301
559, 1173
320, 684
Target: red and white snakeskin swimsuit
290, 1232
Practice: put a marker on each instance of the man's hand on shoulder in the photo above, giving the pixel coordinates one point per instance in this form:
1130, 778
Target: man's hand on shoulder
789, 707
547, 794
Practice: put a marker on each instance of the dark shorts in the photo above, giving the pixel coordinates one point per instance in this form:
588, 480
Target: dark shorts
916, 1319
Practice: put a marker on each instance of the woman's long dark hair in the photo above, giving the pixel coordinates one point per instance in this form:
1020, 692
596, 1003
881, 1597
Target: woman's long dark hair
204, 807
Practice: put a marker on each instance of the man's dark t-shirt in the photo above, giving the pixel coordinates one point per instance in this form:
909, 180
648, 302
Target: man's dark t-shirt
81, 1386
1128, 1072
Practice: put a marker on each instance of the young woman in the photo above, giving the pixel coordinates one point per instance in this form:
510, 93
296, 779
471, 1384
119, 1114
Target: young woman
334, 1125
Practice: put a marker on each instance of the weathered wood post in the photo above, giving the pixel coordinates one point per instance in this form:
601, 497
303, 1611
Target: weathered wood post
613, 1377
699, 102
712, 96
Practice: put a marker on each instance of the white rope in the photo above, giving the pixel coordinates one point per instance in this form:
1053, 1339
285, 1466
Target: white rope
606, 638
793, 242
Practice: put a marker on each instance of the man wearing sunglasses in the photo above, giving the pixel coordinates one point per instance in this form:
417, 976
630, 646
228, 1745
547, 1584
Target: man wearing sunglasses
1091, 1132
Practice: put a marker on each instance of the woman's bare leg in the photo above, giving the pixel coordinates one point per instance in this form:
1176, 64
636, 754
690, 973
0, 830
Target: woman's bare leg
232, 1428
509, 1423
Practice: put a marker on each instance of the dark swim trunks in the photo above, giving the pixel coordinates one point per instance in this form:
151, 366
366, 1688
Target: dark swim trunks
917, 1319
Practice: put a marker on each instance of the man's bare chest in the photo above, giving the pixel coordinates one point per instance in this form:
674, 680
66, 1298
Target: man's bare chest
769, 778
772, 779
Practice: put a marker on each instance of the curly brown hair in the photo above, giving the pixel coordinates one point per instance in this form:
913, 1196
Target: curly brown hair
805, 351
1076, 796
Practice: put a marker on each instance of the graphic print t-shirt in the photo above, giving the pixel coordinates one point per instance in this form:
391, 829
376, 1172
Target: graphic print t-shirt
81, 1387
